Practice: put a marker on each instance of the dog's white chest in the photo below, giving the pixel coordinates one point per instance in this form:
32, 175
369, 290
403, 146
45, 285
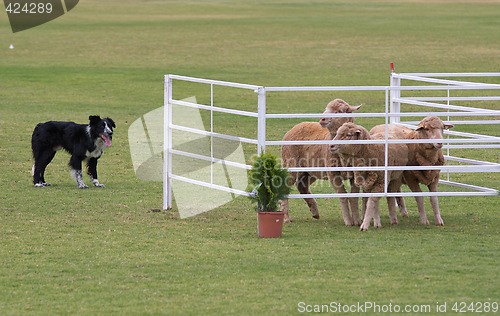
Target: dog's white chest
97, 152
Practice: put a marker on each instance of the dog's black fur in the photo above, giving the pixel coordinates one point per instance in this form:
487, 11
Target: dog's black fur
83, 142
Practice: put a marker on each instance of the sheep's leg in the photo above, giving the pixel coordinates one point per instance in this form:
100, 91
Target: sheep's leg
303, 183
391, 204
421, 209
402, 205
354, 204
364, 202
371, 212
338, 184
284, 208
292, 179
376, 216
434, 203
415, 187
394, 186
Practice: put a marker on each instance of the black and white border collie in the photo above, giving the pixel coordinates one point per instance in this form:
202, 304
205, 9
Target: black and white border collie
83, 142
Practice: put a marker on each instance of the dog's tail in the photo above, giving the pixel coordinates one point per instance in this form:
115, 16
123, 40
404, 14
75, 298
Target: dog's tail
35, 141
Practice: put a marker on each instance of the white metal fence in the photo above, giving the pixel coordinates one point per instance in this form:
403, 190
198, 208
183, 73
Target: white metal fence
398, 95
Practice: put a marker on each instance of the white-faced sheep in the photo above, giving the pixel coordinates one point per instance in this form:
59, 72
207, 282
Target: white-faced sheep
424, 154
294, 156
361, 155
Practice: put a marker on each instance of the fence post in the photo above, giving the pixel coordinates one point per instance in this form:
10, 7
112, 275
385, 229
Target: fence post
167, 143
395, 106
386, 145
211, 133
261, 124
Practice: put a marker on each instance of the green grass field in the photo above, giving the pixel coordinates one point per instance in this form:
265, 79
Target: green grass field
105, 252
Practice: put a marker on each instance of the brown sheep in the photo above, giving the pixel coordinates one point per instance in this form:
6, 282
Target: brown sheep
294, 156
360, 155
394, 132
429, 154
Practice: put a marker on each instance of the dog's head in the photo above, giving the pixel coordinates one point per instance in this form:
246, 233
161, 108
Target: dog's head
102, 127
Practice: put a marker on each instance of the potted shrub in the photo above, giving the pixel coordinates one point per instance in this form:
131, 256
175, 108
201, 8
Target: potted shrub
270, 185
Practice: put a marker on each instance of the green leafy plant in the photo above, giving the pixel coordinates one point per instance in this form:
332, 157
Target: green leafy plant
270, 183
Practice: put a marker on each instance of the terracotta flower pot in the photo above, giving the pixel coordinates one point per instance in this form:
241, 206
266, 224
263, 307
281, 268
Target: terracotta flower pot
270, 224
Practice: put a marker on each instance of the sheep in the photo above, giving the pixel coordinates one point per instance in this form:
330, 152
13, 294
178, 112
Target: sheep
394, 132
319, 156
424, 154
359, 155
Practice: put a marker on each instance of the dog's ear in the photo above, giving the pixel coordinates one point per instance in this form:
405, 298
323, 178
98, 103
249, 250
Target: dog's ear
94, 119
111, 122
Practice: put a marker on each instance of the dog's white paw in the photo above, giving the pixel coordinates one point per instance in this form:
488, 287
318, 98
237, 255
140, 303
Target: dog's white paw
97, 184
42, 184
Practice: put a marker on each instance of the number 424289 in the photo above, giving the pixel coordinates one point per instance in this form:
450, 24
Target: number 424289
475, 307
29, 8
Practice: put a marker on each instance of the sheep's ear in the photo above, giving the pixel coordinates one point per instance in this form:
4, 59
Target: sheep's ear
419, 127
353, 108
448, 126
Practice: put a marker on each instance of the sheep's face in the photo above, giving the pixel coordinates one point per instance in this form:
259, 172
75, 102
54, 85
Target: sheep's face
337, 106
432, 127
349, 131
